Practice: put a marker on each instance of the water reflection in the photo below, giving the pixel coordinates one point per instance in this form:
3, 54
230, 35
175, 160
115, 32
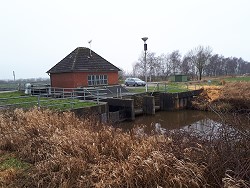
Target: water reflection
189, 120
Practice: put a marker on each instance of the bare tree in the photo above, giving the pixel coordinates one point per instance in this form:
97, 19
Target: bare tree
214, 65
200, 57
198, 61
175, 60
150, 68
186, 66
164, 65
243, 67
138, 69
152, 65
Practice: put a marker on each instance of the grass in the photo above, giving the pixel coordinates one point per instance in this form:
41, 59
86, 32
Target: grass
238, 79
223, 80
231, 97
19, 99
11, 94
9, 85
10, 162
10, 167
64, 104
170, 88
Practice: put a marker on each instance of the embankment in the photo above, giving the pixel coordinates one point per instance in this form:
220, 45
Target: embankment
232, 97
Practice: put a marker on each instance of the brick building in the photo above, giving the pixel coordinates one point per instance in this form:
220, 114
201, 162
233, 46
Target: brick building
83, 68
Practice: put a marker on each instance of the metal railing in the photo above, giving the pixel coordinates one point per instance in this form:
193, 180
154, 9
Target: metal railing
39, 101
50, 97
173, 87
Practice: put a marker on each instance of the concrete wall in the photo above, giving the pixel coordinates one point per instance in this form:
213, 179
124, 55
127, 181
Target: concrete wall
149, 105
116, 109
124, 106
99, 112
175, 101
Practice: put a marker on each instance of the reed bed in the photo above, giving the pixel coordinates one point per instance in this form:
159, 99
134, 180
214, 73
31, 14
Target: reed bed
65, 151
231, 97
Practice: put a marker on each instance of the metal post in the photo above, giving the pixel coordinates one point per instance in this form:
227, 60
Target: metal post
84, 94
117, 93
97, 93
38, 101
146, 70
71, 101
165, 88
145, 65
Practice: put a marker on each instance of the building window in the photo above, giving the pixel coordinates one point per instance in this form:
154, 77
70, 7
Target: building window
94, 80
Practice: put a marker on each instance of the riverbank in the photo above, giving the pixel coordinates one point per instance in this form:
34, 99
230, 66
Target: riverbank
231, 97
41, 148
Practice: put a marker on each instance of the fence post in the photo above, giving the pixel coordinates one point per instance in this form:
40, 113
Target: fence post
97, 93
63, 93
38, 101
71, 101
84, 94
117, 94
121, 92
165, 88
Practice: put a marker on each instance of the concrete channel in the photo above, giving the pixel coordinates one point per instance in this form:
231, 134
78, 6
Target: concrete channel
130, 106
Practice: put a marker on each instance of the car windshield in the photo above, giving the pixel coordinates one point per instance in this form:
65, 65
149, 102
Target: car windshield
137, 79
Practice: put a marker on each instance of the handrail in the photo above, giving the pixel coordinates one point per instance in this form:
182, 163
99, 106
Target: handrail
157, 85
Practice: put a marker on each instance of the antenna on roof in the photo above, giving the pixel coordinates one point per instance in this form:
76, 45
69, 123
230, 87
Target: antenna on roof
90, 47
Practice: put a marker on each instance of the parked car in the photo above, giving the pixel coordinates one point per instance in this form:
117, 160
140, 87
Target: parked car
134, 82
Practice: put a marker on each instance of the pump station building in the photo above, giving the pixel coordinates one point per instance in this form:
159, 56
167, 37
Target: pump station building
83, 68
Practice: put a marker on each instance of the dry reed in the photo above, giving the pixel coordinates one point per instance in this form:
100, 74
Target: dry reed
66, 151
232, 97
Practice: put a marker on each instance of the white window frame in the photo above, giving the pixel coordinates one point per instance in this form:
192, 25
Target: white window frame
96, 80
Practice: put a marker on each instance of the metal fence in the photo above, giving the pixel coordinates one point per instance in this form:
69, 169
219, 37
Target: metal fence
38, 101
173, 87
51, 97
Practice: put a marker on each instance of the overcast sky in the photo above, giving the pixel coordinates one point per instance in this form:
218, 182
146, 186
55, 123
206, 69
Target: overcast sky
37, 34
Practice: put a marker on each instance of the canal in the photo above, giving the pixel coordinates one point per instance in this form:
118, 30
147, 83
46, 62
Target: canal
189, 120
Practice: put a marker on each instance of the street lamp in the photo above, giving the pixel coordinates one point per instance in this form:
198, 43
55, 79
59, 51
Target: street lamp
145, 63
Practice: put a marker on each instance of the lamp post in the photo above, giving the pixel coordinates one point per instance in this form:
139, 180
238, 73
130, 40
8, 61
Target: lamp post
145, 63
14, 76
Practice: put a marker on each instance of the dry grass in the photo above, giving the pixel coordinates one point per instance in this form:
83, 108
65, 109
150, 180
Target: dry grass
68, 152
234, 96
237, 94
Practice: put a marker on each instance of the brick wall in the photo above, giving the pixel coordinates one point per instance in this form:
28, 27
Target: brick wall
79, 79
62, 80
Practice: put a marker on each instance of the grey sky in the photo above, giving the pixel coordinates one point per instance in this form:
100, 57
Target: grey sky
35, 35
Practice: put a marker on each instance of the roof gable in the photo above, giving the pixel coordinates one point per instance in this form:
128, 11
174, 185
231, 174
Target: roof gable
80, 60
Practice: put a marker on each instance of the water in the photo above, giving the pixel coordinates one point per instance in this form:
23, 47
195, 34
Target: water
189, 120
